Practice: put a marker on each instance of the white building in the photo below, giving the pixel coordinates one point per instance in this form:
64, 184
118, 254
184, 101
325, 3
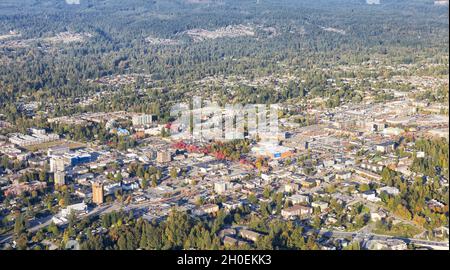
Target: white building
60, 178
321, 205
392, 131
28, 140
221, 187
389, 190
57, 164
142, 120
299, 199
78, 209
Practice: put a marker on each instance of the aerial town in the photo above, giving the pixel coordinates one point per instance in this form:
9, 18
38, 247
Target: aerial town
333, 175
224, 125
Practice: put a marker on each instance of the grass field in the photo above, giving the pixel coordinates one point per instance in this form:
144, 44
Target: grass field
401, 230
45, 146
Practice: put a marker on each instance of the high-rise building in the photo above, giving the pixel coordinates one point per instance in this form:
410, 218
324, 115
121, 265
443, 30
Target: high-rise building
97, 193
60, 178
57, 164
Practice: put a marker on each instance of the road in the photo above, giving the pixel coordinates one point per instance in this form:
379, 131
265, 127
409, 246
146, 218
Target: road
372, 236
36, 225
39, 224
99, 210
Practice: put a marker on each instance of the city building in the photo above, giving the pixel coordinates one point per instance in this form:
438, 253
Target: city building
386, 147
250, 235
33, 139
389, 244
97, 193
321, 205
206, 209
272, 151
60, 178
299, 199
57, 164
392, 131
77, 158
296, 210
142, 120
220, 187
163, 157
58, 150
62, 217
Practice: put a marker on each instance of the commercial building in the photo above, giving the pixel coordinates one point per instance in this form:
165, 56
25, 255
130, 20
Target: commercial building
163, 157
77, 158
386, 147
220, 187
57, 164
60, 178
33, 139
142, 120
58, 150
97, 193
62, 217
272, 151
392, 131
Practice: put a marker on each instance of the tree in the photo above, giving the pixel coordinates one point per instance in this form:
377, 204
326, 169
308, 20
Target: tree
154, 181
265, 209
176, 229
42, 176
53, 229
144, 183
19, 225
279, 202
252, 198
403, 212
266, 192
118, 178
122, 242
296, 239
265, 242
22, 241
173, 173
355, 245
364, 188
72, 219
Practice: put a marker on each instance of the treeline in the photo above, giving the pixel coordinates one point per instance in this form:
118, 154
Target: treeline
436, 160
180, 231
412, 202
118, 46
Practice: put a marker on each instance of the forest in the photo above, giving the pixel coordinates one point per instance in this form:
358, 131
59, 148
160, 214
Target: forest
301, 37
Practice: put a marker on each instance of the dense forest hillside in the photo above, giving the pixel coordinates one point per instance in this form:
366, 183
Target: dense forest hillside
51, 49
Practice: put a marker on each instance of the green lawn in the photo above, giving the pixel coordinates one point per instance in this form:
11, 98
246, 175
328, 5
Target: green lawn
401, 230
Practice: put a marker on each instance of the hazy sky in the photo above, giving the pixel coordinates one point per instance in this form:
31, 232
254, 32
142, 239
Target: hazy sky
73, 2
